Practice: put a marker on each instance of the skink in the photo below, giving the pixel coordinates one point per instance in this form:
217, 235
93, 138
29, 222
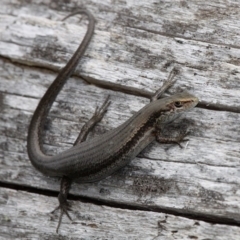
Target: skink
99, 157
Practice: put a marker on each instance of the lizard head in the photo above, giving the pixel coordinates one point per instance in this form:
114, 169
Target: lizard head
172, 107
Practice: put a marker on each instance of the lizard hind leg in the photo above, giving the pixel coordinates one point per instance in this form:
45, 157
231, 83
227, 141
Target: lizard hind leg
90, 124
64, 205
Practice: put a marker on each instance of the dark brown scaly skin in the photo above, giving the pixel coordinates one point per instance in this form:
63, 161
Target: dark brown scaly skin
95, 159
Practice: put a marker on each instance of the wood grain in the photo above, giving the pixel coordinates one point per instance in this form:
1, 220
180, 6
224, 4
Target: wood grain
135, 46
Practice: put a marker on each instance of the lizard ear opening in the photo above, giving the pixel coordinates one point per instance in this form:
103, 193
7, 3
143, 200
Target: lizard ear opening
178, 104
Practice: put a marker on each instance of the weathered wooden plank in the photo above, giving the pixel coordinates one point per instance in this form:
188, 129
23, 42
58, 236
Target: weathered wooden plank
26, 215
136, 44
202, 178
122, 53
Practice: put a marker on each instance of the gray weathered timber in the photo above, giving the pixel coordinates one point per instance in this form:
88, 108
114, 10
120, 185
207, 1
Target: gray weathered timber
23, 216
135, 46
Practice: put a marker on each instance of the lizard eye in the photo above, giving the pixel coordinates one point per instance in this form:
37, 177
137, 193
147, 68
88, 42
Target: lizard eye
178, 104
